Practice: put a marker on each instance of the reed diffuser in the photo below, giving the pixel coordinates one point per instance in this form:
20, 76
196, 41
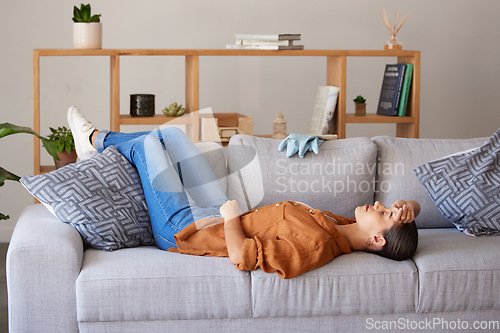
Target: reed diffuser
393, 44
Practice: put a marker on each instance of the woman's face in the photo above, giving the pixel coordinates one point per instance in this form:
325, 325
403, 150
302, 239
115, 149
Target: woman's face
374, 219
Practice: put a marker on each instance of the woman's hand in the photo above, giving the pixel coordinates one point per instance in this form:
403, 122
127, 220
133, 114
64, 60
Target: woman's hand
405, 211
230, 210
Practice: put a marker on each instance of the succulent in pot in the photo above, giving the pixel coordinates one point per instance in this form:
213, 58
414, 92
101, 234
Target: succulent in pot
174, 110
87, 28
360, 104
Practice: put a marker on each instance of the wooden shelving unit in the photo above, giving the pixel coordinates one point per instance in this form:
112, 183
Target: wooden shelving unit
336, 64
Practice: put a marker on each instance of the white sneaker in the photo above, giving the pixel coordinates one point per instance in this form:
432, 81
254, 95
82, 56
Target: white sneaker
81, 129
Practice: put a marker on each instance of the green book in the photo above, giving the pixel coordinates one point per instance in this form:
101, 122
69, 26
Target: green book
405, 90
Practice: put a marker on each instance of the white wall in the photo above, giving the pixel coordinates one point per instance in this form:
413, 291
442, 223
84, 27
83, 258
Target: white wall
458, 40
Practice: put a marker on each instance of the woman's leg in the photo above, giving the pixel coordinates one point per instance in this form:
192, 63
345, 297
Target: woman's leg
179, 185
107, 138
196, 174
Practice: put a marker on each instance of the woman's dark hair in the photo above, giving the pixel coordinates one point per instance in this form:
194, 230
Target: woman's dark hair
401, 241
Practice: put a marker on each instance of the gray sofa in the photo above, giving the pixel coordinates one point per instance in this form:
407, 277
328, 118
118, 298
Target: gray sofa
56, 284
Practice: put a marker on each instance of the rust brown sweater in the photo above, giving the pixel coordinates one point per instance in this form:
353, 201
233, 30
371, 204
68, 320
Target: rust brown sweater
287, 238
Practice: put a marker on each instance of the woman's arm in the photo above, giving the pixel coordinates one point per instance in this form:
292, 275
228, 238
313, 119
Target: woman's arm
410, 209
235, 238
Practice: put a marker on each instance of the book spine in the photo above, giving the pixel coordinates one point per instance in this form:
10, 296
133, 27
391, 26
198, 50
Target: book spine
405, 94
391, 90
252, 47
264, 47
401, 70
268, 37
252, 42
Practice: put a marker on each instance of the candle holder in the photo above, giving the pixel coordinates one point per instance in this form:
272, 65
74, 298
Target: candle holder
142, 105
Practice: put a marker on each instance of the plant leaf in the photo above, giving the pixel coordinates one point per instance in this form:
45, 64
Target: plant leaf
95, 18
85, 13
51, 147
4, 217
8, 129
76, 13
6, 175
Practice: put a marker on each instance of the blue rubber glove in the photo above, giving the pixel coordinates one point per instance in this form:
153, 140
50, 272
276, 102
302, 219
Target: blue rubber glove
300, 143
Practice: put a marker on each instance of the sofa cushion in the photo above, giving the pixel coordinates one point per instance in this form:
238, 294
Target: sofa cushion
355, 283
457, 272
101, 197
148, 284
338, 179
216, 157
466, 187
397, 157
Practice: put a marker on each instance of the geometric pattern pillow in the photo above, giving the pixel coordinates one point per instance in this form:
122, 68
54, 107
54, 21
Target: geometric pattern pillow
466, 187
101, 197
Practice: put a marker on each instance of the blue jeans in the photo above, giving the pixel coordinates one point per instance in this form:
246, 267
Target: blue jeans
179, 184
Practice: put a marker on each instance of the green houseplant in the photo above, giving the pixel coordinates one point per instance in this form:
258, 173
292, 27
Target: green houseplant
60, 139
65, 143
87, 28
360, 104
84, 15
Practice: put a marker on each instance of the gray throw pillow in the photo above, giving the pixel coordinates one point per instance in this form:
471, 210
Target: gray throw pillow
466, 187
101, 197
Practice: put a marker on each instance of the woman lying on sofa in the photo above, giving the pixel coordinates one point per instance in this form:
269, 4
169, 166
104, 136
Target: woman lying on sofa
191, 214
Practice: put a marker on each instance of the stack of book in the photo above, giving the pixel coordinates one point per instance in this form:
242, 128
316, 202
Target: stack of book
266, 42
395, 90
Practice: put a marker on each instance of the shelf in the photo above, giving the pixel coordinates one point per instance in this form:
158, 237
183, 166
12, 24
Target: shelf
221, 52
378, 119
335, 75
157, 119
47, 168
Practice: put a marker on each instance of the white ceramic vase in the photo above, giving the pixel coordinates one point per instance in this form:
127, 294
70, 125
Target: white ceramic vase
87, 35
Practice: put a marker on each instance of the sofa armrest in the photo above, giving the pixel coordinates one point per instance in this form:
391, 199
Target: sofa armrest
43, 261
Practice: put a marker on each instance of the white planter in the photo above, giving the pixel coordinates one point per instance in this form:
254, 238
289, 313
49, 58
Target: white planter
87, 35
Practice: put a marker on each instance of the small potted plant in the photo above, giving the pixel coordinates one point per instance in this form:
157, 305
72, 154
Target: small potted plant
63, 139
87, 28
174, 110
360, 103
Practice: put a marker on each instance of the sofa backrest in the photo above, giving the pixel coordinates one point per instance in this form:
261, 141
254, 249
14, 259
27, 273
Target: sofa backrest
338, 180
397, 157
216, 157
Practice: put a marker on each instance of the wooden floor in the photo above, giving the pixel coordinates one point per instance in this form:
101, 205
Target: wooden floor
3, 289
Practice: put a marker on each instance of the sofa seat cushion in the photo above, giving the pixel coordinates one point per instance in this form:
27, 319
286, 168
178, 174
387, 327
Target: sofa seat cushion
355, 283
397, 157
457, 272
147, 284
338, 179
